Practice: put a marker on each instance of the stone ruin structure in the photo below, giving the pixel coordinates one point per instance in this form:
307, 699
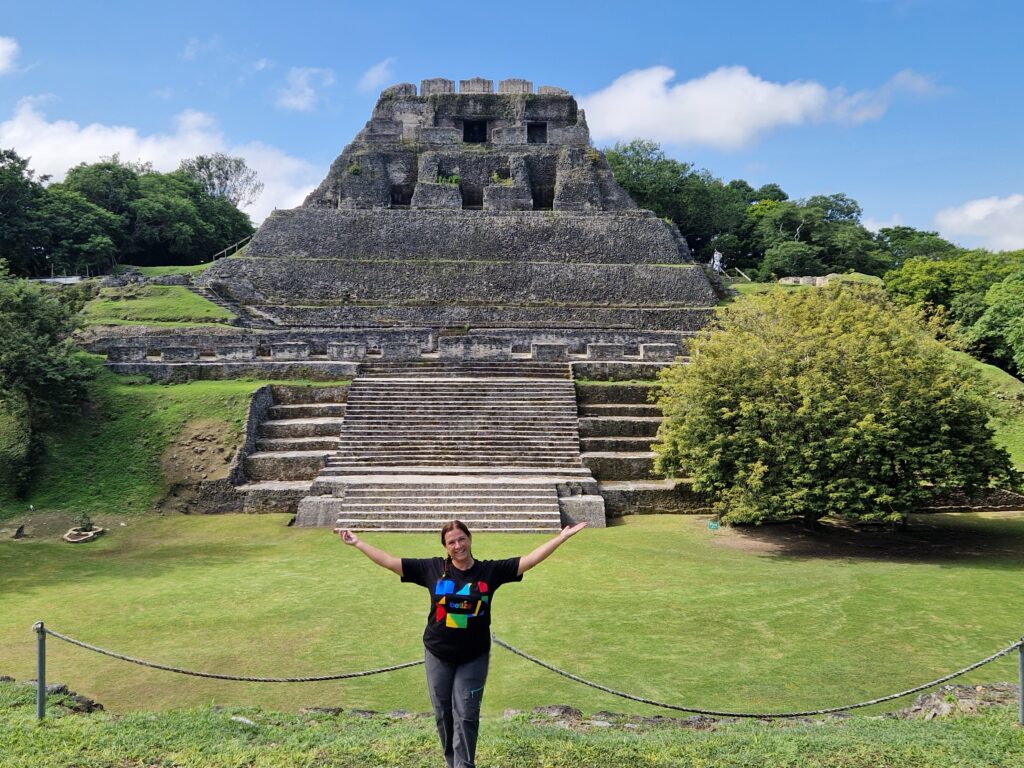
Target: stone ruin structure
471, 209
466, 257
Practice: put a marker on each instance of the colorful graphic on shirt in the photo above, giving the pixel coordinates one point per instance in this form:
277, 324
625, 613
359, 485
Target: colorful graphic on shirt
456, 609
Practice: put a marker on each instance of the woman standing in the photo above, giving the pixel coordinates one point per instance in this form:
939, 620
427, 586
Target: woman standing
457, 640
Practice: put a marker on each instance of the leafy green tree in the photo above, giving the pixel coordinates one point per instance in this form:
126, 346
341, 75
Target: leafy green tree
223, 176
904, 243
829, 402
21, 232
80, 236
999, 331
792, 258
41, 381
176, 222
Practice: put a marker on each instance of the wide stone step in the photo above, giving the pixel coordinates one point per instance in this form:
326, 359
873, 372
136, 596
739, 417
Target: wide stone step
630, 497
620, 466
410, 463
321, 443
431, 500
285, 465
317, 427
432, 527
423, 508
618, 426
444, 369
615, 444
619, 392
273, 495
619, 409
561, 473
306, 410
288, 394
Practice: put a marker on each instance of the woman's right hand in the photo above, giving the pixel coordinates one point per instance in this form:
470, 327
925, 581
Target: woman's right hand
347, 536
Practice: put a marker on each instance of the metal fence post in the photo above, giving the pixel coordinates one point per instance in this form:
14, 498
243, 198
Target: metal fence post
40, 670
1020, 665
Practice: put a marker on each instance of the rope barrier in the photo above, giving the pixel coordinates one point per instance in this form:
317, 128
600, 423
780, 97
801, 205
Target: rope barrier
239, 678
42, 631
759, 715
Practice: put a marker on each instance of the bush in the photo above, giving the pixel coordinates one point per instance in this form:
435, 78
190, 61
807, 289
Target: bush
829, 402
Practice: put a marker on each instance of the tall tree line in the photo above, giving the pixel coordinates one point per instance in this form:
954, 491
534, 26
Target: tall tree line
112, 212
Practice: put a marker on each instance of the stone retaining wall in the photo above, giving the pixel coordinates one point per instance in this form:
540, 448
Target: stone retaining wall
635, 236
534, 284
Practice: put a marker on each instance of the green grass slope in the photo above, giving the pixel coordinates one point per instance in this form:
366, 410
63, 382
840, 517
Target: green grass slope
150, 304
219, 738
659, 606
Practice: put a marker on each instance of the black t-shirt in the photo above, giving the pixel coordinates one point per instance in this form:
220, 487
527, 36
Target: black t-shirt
459, 620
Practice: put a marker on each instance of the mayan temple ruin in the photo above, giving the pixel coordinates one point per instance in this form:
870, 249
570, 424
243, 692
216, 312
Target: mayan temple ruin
468, 256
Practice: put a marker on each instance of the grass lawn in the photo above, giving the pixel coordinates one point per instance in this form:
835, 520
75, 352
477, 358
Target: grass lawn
151, 304
227, 738
192, 269
657, 606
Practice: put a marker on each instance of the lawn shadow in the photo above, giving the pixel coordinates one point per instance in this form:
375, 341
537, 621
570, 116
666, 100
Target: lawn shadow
963, 538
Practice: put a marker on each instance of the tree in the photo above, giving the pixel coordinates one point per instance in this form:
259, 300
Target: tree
825, 402
222, 176
80, 236
175, 222
999, 331
906, 243
20, 230
41, 381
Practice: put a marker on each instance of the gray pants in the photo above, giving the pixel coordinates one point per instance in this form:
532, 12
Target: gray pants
456, 691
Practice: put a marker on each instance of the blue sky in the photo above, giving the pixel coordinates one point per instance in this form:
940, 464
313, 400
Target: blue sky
912, 107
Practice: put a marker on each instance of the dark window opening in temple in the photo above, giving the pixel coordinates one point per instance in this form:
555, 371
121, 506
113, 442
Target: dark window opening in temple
543, 197
401, 195
536, 133
474, 131
472, 196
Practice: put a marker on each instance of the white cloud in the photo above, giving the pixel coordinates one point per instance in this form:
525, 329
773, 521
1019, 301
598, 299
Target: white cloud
54, 146
301, 92
875, 225
376, 76
8, 53
996, 223
195, 47
729, 108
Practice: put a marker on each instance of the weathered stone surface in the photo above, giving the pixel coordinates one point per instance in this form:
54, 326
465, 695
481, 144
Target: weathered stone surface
556, 352
289, 350
450, 282
127, 354
179, 354
235, 352
660, 351
579, 509
346, 350
475, 348
575, 237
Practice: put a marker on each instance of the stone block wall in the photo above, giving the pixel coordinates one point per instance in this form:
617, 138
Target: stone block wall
630, 237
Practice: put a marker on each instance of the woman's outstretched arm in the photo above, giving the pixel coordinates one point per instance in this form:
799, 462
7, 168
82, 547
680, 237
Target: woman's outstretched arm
544, 550
379, 556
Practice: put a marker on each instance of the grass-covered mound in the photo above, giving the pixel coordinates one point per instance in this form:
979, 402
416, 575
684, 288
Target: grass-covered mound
660, 606
226, 738
152, 304
122, 453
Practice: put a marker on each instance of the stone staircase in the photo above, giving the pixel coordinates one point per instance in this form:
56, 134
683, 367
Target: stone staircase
243, 317
518, 369
617, 426
300, 432
493, 449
